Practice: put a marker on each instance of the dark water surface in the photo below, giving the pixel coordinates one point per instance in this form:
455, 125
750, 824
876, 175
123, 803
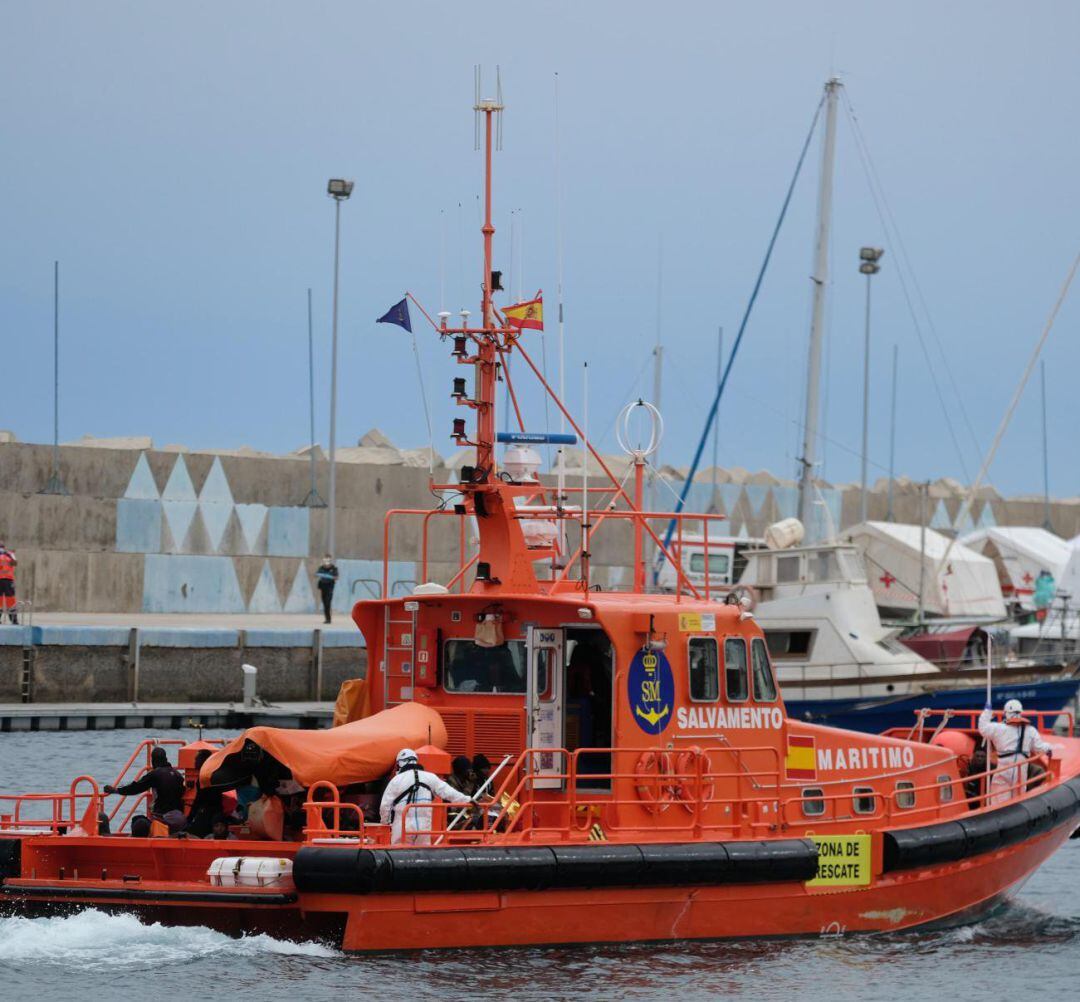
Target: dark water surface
1030, 949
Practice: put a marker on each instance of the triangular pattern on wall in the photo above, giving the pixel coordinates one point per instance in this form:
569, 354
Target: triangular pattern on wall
178, 516
179, 486
216, 503
142, 485
265, 596
252, 522
301, 597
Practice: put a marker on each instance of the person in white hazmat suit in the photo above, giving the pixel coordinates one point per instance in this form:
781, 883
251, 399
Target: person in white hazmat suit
1014, 740
413, 785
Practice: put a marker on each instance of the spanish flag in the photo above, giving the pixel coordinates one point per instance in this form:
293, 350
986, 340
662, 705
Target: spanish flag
526, 315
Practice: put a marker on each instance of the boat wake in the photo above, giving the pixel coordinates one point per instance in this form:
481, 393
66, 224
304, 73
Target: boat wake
92, 940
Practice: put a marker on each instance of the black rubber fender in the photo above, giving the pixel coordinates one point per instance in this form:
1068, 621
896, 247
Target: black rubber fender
334, 869
1003, 826
941, 843
772, 859
603, 864
690, 863
434, 869
495, 868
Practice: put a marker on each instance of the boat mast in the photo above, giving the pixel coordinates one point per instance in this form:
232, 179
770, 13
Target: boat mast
817, 322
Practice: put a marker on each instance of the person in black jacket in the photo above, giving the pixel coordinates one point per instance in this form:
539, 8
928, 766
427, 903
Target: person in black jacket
207, 804
166, 782
327, 576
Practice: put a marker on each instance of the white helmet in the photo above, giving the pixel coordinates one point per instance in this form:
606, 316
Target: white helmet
407, 757
1013, 708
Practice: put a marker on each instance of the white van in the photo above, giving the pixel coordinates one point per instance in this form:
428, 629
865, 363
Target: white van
726, 562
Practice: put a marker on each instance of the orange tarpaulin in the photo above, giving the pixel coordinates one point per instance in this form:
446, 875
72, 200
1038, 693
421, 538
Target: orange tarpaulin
352, 753
353, 701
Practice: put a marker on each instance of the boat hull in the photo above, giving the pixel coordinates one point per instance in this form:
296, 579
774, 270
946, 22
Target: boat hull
873, 716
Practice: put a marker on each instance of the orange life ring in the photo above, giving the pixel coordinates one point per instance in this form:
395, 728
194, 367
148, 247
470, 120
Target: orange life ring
687, 789
653, 772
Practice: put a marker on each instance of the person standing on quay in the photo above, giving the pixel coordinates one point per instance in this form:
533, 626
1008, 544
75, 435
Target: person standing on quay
327, 576
8, 563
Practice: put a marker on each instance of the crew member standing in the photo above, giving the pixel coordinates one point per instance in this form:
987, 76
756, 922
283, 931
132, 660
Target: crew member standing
327, 576
1014, 741
413, 785
8, 563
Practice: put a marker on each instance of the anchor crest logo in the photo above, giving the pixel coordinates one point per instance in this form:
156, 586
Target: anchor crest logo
650, 688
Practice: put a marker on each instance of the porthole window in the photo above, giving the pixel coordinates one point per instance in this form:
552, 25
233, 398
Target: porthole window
863, 800
813, 802
945, 789
905, 794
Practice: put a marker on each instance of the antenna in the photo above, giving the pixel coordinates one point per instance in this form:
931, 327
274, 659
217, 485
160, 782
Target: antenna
498, 114
476, 107
482, 104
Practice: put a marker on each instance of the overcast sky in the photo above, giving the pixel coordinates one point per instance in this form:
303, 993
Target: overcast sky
174, 158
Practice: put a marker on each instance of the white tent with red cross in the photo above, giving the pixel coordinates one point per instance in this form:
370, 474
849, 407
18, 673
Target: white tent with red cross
902, 560
1020, 553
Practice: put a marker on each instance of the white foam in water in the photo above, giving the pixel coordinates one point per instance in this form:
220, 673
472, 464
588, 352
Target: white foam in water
92, 940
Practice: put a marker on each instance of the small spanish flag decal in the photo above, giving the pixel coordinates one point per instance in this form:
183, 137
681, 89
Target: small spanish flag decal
801, 760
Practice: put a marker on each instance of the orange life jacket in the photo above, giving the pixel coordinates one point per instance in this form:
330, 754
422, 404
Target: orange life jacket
7, 567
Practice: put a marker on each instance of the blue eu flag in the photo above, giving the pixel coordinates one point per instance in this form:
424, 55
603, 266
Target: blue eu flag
397, 314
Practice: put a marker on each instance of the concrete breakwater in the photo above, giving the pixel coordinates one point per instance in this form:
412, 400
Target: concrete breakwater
145, 530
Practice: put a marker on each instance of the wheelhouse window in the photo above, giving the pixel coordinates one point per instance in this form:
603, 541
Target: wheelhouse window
735, 673
471, 668
863, 800
905, 794
704, 670
813, 802
764, 683
718, 563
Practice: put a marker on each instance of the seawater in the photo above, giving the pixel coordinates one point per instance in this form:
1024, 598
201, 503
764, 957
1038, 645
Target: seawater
1032, 946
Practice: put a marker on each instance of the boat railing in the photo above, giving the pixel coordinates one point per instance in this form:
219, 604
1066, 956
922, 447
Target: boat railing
64, 813
329, 819
580, 801
1043, 720
915, 803
603, 512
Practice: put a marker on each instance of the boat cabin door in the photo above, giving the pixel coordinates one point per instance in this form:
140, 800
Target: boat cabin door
545, 705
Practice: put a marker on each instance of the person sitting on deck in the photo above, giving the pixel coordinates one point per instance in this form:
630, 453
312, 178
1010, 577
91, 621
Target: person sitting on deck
413, 785
140, 826
219, 829
168, 786
1014, 741
462, 778
207, 803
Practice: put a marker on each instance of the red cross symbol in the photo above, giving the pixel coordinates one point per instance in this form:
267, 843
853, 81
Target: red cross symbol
887, 579
1028, 578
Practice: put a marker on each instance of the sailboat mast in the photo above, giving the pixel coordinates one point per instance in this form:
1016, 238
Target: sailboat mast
817, 323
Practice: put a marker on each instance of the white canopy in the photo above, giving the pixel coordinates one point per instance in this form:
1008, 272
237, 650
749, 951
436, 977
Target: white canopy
967, 585
1020, 552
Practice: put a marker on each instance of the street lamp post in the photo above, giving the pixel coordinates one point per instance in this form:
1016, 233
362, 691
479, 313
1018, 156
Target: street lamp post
339, 190
868, 266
